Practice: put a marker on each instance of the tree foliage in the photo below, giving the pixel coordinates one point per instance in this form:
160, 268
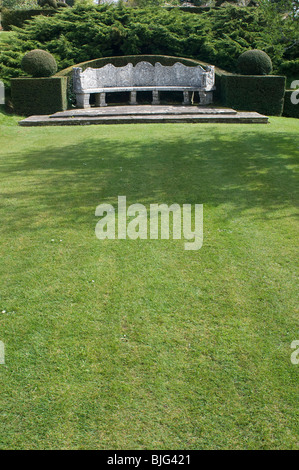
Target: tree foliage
217, 36
18, 4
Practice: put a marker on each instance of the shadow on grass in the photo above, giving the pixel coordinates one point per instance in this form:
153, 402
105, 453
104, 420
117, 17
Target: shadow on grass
243, 170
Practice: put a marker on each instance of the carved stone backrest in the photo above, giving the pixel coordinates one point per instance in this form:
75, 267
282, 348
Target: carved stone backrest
143, 74
179, 75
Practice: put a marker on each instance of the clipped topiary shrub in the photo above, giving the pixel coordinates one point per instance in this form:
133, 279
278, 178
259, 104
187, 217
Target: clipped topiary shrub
254, 62
252, 93
39, 63
39, 95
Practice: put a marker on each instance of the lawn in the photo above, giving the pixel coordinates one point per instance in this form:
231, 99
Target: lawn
123, 344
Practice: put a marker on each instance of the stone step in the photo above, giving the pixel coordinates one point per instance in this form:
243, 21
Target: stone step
142, 110
71, 120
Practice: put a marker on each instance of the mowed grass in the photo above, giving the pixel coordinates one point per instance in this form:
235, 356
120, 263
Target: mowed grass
123, 344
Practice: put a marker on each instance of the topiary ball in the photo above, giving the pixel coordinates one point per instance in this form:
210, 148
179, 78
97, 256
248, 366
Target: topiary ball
39, 63
254, 62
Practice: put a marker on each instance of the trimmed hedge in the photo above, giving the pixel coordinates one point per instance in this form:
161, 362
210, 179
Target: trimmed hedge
290, 109
254, 62
263, 94
39, 95
39, 63
17, 18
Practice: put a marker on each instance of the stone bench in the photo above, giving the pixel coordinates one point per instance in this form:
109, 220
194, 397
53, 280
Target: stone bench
143, 77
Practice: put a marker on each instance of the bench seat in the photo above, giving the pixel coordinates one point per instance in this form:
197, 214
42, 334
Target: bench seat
140, 88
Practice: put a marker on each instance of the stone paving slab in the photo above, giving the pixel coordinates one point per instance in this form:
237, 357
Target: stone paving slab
139, 110
242, 117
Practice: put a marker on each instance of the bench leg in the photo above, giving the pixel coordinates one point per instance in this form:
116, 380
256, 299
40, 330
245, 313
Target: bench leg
156, 98
133, 97
82, 100
209, 97
101, 99
186, 97
206, 97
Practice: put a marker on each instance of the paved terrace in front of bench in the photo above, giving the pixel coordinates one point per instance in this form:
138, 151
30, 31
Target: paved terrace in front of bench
145, 114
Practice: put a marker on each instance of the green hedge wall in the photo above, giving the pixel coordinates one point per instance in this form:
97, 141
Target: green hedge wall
290, 109
11, 18
39, 95
263, 94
